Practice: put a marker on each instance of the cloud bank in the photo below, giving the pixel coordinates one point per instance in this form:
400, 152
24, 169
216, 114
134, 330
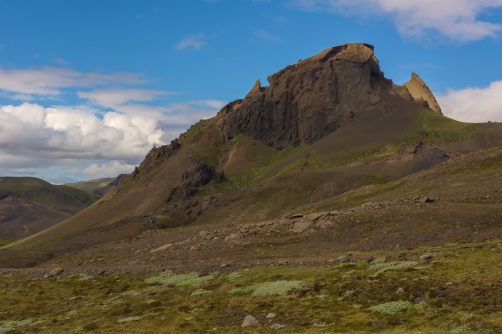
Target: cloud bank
50, 80
455, 19
475, 104
108, 134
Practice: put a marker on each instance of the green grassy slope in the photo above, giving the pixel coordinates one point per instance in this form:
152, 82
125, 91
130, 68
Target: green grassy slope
90, 185
57, 198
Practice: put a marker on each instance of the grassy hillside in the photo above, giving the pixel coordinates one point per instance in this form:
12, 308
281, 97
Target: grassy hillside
90, 185
29, 205
57, 198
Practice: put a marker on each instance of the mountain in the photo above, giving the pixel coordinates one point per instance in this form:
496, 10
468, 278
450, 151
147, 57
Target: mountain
29, 205
111, 185
323, 128
90, 185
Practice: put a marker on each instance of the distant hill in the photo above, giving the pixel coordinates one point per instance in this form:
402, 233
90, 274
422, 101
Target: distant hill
29, 205
110, 186
91, 185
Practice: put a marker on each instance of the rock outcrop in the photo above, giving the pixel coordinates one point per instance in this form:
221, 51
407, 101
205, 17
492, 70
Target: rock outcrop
421, 92
194, 178
309, 100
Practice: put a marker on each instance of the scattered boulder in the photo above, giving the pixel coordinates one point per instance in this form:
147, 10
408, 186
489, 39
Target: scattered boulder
249, 321
270, 315
302, 226
424, 199
343, 259
54, 272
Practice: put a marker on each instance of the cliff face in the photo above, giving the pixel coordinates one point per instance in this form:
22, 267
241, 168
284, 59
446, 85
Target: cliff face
309, 100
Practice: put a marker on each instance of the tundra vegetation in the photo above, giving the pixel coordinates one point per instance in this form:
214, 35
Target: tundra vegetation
457, 292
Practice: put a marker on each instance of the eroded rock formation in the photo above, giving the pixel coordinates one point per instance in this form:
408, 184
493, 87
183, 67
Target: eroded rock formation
421, 92
311, 99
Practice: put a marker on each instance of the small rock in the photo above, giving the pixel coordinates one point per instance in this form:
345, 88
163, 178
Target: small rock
194, 248
334, 213
424, 199
425, 257
249, 321
343, 259
270, 315
298, 215
55, 271
223, 265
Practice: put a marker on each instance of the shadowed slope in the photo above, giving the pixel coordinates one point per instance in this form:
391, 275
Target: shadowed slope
29, 205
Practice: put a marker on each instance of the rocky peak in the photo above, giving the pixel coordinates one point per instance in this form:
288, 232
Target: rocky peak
421, 92
307, 101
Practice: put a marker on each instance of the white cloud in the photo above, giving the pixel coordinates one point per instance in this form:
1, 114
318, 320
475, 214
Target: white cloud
109, 169
50, 80
69, 143
455, 19
74, 133
262, 34
59, 61
473, 104
195, 41
114, 97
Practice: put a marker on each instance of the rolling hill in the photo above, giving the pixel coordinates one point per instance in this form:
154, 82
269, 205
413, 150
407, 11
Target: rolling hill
90, 185
29, 205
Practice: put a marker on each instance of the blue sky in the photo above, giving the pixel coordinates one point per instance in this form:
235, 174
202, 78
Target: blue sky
88, 87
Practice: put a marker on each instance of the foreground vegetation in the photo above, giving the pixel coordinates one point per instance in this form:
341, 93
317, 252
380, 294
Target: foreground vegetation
455, 290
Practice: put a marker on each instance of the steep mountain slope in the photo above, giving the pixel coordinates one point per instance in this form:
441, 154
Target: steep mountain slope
328, 125
29, 205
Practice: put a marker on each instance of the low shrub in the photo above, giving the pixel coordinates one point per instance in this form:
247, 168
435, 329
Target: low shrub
269, 288
128, 319
191, 279
392, 307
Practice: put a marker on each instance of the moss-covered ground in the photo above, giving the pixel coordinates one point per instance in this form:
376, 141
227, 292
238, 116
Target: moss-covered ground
457, 290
